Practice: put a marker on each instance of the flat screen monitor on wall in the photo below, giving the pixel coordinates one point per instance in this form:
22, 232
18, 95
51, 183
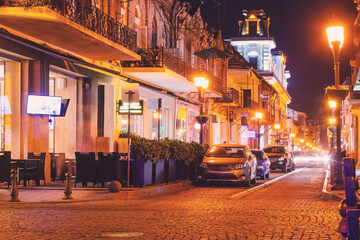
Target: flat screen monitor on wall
64, 106
43, 105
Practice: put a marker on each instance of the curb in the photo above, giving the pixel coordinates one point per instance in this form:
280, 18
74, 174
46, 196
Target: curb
123, 194
242, 194
328, 195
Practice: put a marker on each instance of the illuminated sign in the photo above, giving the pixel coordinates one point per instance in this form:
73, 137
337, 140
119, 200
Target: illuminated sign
136, 108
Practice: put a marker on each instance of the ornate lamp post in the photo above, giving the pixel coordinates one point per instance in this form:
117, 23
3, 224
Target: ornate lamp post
336, 39
277, 127
201, 84
292, 136
258, 116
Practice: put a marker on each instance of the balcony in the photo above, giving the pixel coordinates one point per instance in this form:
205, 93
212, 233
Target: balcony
214, 89
161, 68
72, 26
232, 98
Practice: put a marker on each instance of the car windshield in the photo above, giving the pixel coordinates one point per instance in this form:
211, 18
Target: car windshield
226, 152
259, 155
274, 150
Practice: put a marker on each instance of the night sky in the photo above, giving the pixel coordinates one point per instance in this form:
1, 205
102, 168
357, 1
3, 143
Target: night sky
298, 28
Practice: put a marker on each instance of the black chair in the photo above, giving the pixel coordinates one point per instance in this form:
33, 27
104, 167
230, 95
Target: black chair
5, 167
32, 168
58, 166
85, 168
108, 169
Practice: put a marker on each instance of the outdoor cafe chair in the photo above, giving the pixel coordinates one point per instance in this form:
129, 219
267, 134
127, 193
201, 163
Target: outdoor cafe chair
32, 171
85, 168
5, 167
108, 168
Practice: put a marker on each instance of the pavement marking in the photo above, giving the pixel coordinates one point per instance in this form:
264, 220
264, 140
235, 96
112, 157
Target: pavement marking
241, 194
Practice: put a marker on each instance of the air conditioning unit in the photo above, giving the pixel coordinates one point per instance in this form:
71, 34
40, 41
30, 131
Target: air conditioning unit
214, 118
244, 121
180, 123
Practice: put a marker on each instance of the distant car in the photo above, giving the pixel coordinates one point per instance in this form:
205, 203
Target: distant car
280, 157
263, 164
228, 162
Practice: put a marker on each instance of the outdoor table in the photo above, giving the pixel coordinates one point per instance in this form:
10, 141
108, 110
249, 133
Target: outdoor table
25, 161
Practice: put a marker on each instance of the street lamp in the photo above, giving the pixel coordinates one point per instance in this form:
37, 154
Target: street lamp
258, 116
292, 136
332, 122
277, 127
335, 36
201, 84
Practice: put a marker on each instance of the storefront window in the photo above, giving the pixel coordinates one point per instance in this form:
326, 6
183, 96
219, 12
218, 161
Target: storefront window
136, 124
2, 107
164, 124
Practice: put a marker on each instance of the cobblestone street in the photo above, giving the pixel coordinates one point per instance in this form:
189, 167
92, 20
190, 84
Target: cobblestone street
291, 208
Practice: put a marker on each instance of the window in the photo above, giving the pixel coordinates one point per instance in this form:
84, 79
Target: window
253, 28
154, 34
101, 102
253, 61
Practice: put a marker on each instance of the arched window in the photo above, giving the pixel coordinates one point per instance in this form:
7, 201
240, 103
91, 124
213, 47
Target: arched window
154, 34
137, 15
122, 13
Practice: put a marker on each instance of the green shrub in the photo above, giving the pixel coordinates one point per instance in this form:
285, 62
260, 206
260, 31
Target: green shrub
153, 150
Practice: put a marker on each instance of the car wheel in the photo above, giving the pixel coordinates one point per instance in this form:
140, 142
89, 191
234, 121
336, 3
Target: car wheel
293, 167
254, 179
248, 180
262, 176
284, 168
268, 175
290, 167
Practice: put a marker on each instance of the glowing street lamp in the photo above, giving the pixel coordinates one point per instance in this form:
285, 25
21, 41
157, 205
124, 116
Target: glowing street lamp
258, 116
332, 104
335, 36
201, 84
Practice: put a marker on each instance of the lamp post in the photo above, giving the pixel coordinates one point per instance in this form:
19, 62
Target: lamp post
201, 84
277, 127
258, 116
332, 122
292, 135
335, 36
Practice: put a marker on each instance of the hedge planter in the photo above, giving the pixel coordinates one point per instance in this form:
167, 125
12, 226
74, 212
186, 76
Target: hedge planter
123, 172
192, 171
170, 171
158, 172
143, 172
181, 170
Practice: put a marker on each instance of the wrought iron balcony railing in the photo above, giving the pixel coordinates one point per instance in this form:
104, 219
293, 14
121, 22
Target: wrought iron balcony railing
232, 96
88, 16
158, 58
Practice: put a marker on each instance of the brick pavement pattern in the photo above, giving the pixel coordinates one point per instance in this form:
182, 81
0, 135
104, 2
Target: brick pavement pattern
289, 209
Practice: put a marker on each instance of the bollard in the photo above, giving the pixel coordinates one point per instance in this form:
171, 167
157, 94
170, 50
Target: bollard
14, 191
67, 190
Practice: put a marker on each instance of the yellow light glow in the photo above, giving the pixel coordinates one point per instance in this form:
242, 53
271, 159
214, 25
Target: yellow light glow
201, 82
156, 115
307, 144
302, 140
332, 121
292, 135
124, 121
277, 126
335, 34
332, 104
259, 115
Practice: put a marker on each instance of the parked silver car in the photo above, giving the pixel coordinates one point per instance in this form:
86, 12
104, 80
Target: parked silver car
228, 162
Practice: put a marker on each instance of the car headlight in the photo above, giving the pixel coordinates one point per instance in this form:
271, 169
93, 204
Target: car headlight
203, 165
239, 166
281, 159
